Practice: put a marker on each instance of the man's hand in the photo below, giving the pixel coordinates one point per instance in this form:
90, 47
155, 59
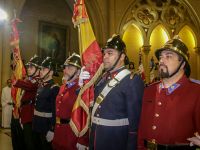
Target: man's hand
81, 147
49, 136
194, 140
84, 75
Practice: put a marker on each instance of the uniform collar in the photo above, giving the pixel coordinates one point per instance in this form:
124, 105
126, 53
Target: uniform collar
112, 74
71, 84
174, 86
47, 82
170, 89
34, 79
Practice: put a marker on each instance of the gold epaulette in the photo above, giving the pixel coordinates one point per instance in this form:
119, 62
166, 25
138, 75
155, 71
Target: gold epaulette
54, 85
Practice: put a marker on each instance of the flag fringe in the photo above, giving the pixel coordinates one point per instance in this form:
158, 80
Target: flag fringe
83, 105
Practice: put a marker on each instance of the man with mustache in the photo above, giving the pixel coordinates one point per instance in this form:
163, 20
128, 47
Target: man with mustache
171, 107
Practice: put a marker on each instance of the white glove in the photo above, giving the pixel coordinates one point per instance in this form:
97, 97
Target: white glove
20, 122
49, 136
81, 147
84, 75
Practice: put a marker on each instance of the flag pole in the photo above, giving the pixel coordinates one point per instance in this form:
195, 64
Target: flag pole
79, 40
92, 58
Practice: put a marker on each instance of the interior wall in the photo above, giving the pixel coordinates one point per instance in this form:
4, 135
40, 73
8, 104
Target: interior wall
107, 17
5, 72
134, 42
56, 12
189, 36
97, 12
189, 39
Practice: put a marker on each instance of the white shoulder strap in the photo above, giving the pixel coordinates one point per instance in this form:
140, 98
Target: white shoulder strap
114, 82
110, 85
54, 85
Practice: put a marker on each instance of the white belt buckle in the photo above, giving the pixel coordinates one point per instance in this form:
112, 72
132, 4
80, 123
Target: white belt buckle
113, 82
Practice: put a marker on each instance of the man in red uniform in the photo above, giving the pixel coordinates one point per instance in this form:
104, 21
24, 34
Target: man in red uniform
64, 138
29, 87
171, 107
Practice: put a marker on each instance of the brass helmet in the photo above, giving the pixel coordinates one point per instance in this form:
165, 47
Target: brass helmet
115, 42
35, 61
177, 46
73, 60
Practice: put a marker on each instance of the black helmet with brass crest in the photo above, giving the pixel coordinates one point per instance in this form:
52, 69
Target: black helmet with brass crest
73, 60
34, 61
115, 42
176, 45
49, 63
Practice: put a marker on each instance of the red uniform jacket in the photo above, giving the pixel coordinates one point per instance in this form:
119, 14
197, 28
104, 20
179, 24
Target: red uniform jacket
27, 100
170, 116
64, 138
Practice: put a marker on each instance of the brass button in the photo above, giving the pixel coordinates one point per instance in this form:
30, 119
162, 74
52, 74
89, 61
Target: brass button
153, 127
59, 102
159, 103
157, 115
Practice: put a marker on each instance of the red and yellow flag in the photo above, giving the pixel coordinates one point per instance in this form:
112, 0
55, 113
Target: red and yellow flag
17, 65
92, 59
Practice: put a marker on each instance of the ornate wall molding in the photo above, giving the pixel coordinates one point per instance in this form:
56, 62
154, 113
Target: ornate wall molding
197, 50
172, 14
146, 49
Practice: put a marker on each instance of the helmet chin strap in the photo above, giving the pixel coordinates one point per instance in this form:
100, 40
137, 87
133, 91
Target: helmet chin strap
73, 75
114, 63
176, 69
46, 75
33, 73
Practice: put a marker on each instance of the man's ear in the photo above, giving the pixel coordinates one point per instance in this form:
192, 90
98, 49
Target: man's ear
78, 71
122, 57
51, 72
183, 65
